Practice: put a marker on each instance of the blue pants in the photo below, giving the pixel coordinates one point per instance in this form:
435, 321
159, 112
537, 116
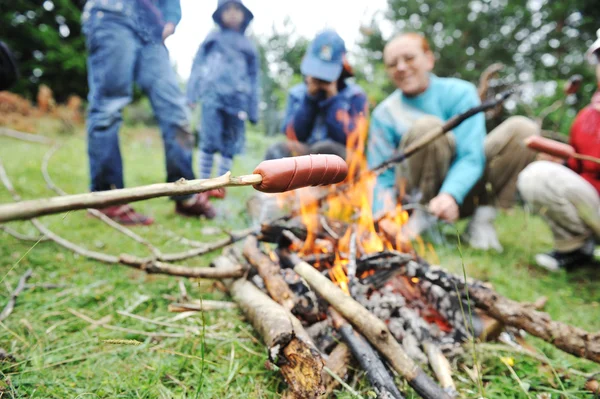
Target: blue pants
118, 58
221, 132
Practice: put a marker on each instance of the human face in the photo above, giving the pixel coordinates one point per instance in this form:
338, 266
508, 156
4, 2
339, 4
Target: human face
232, 16
408, 65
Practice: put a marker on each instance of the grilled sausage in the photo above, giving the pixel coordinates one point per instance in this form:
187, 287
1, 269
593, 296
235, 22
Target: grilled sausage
550, 147
288, 174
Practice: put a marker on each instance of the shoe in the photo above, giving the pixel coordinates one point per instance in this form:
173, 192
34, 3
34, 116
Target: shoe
196, 206
480, 232
126, 215
555, 261
218, 193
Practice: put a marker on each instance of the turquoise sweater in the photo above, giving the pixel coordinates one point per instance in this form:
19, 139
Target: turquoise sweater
444, 98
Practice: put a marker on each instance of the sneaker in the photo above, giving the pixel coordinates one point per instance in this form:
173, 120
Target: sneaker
126, 215
555, 261
218, 193
480, 232
196, 206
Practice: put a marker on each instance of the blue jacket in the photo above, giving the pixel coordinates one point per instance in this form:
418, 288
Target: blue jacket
146, 17
310, 119
225, 72
444, 98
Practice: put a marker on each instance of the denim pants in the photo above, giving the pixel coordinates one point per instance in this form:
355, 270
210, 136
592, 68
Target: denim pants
117, 58
221, 132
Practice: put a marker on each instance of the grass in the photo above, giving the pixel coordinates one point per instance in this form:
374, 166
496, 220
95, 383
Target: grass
59, 355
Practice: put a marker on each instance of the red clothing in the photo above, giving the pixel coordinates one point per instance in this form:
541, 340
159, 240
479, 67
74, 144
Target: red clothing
585, 138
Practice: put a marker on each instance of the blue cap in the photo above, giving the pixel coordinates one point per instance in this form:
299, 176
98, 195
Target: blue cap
324, 58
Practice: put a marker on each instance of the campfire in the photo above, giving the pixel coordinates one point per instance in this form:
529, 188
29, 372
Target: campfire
334, 233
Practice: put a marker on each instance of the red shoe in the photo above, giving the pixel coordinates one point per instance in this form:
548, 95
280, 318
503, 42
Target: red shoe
126, 215
218, 193
197, 206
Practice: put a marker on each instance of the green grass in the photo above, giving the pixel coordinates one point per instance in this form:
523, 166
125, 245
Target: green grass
61, 356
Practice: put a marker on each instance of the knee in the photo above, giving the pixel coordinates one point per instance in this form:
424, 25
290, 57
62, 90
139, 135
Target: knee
105, 112
522, 127
536, 174
423, 125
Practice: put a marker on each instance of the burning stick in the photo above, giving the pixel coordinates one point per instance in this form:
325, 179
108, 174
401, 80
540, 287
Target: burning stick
270, 176
270, 273
368, 359
289, 346
372, 328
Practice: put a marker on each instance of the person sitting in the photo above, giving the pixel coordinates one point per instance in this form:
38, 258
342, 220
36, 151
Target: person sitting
450, 175
323, 110
566, 194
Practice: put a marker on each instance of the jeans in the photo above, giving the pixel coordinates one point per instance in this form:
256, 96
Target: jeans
221, 132
117, 58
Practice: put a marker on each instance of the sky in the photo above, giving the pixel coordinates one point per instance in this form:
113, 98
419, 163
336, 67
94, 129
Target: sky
308, 16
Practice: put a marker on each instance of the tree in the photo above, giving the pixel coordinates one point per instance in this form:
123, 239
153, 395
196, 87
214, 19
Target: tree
48, 43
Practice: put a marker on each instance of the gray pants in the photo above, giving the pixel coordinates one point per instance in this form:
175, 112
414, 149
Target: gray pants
505, 153
564, 199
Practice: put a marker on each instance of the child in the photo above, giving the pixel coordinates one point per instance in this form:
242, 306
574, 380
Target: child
225, 77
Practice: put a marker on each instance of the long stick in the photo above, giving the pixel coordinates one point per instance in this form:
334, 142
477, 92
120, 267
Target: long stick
373, 329
101, 199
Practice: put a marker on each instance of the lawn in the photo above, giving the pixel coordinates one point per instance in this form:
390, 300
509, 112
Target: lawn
61, 355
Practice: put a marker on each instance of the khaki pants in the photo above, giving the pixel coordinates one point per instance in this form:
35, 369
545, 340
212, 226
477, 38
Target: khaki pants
561, 197
506, 156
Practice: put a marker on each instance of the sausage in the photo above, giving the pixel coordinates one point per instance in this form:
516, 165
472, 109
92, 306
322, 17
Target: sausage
550, 147
285, 174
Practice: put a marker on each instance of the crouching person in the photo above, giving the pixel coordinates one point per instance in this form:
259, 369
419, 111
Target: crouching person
125, 45
451, 175
322, 111
566, 194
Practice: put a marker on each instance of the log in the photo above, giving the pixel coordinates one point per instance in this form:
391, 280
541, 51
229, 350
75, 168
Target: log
338, 362
441, 367
373, 329
570, 339
377, 373
270, 273
288, 344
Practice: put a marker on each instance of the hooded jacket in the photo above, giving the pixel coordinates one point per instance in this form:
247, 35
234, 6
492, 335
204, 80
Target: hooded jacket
226, 68
146, 17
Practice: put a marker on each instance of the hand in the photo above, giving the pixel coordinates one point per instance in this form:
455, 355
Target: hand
312, 86
253, 121
330, 89
444, 206
168, 30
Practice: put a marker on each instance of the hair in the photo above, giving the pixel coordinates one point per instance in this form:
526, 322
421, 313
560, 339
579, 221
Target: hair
417, 36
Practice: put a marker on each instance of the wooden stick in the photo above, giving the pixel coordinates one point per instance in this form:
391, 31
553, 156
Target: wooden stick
32, 138
377, 373
337, 362
148, 265
570, 339
12, 300
289, 346
201, 306
20, 236
441, 367
373, 329
270, 273
102, 199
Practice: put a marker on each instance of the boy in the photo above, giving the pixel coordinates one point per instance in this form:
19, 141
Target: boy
125, 45
225, 77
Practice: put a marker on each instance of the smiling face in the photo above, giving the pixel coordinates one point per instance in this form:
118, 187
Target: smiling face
232, 16
408, 62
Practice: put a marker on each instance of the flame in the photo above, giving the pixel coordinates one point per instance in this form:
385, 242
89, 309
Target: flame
338, 273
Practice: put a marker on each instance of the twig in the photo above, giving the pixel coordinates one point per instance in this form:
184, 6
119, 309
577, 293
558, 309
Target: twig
201, 306
194, 330
32, 138
20, 236
12, 300
122, 329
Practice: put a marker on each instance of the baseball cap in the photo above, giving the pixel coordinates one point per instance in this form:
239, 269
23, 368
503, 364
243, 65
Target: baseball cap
324, 58
595, 47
